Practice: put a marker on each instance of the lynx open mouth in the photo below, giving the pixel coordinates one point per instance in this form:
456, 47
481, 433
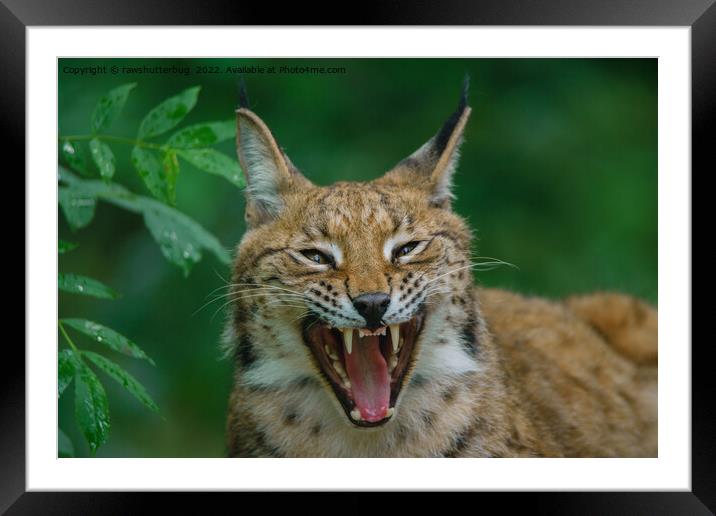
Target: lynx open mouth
366, 369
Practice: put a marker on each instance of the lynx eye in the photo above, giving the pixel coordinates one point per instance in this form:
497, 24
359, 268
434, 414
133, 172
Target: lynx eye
317, 256
405, 249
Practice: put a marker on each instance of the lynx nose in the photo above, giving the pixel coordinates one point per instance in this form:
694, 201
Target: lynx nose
372, 307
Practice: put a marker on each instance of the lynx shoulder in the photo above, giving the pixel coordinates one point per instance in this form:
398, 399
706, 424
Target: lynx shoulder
357, 331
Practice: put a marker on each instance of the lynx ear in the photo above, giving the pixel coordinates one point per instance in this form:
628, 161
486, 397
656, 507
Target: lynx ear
269, 173
433, 165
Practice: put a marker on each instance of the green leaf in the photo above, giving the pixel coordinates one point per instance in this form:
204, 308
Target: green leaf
169, 113
67, 366
203, 135
170, 165
75, 157
65, 176
103, 158
76, 284
160, 217
110, 106
174, 239
125, 379
150, 170
108, 337
179, 237
65, 448
77, 207
214, 162
64, 246
91, 188
91, 408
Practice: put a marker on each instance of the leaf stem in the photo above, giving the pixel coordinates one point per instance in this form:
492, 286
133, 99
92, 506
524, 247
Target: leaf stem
115, 139
68, 339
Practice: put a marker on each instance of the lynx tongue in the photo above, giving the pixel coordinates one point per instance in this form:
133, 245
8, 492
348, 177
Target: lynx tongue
369, 378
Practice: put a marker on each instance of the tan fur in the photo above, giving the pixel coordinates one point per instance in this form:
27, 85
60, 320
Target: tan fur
496, 374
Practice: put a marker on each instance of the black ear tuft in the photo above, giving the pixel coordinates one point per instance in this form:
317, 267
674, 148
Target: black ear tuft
441, 139
465, 91
243, 96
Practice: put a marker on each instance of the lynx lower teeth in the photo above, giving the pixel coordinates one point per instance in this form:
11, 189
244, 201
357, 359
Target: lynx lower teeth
393, 362
339, 369
390, 413
355, 414
348, 339
330, 352
395, 336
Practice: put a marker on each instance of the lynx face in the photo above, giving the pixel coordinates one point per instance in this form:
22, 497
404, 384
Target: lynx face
343, 285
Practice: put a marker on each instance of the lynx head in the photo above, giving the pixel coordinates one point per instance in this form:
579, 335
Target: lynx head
358, 287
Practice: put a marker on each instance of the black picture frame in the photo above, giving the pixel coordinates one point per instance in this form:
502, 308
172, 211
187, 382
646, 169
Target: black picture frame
700, 15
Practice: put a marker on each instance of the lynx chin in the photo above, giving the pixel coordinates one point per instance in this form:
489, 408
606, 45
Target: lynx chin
357, 331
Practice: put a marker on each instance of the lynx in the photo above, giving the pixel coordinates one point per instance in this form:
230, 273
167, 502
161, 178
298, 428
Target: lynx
357, 330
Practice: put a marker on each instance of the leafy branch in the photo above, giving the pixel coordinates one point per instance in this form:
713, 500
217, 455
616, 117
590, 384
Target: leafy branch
181, 239
91, 404
156, 163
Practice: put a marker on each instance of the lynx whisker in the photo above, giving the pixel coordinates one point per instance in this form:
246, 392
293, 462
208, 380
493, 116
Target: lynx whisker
253, 286
216, 289
265, 285
312, 323
436, 289
285, 303
288, 306
257, 286
241, 298
450, 272
273, 297
301, 316
220, 308
249, 293
256, 292
492, 261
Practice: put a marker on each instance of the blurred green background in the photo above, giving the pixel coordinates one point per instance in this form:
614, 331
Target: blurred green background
558, 175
